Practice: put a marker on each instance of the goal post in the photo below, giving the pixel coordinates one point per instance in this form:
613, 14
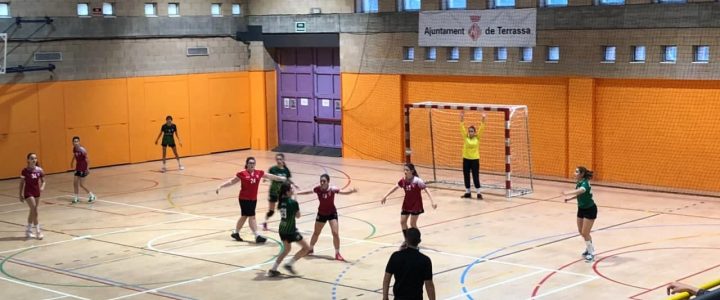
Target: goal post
433, 143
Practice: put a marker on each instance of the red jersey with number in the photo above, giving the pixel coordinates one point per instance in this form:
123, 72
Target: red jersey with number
81, 163
32, 181
249, 183
413, 197
327, 200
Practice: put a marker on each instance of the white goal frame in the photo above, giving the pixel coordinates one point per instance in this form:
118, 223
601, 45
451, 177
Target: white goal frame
507, 110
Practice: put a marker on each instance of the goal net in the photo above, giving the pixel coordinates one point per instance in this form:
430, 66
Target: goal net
433, 143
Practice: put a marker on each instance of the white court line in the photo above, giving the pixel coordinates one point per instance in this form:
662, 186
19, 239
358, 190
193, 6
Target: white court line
44, 289
364, 241
356, 241
96, 235
244, 269
512, 264
151, 247
494, 285
564, 288
55, 298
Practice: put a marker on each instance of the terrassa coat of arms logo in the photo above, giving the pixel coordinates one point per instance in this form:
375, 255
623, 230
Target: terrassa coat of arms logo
474, 31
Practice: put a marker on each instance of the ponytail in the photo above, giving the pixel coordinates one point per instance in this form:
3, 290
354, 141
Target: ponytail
585, 173
412, 168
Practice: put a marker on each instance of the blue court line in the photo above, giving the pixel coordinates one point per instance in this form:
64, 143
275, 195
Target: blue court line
464, 274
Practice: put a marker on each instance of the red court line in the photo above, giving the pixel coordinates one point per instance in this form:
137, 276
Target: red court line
542, 281
679, 279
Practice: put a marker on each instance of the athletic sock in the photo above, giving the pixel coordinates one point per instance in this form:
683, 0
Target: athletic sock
590, 247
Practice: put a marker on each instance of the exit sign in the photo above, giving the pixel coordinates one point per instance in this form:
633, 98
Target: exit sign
300, 27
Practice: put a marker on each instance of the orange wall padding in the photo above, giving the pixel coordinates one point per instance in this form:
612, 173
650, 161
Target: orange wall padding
119, 119
271, 108
372, 110
19, 127
546, 99
658, 132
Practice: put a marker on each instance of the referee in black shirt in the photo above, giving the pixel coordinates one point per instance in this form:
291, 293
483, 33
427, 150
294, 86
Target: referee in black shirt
411, 269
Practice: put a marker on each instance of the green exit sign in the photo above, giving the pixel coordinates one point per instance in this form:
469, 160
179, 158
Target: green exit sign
300, 27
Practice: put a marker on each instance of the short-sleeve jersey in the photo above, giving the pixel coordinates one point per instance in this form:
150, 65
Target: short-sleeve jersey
249, 183
413, 196
32, 181
80, 159
411, 269
288, 208
585, 200
168, 130
327, 200
277, 171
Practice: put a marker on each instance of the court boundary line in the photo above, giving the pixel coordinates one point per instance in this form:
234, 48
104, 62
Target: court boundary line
44, 289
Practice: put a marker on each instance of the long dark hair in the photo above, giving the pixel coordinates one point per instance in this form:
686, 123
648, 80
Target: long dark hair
284, 188
247, 160
585, 173
412, 168
283, 158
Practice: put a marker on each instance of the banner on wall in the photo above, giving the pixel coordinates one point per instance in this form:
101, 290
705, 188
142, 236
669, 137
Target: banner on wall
478, 28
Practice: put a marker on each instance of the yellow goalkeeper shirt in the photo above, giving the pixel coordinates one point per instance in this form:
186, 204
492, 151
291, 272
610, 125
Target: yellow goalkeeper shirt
471, 145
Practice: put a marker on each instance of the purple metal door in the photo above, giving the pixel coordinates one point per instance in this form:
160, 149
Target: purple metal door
295, 92
309, 96
327, 93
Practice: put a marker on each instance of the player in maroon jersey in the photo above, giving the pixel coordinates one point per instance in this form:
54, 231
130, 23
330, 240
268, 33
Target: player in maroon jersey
32, 181
249, 182
327, 211
412, 204
81, 165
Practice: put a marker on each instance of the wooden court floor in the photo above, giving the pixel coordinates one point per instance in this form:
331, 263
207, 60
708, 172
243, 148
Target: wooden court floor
153, 235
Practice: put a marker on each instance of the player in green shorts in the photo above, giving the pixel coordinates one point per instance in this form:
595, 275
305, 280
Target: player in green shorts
280, 169
289, 211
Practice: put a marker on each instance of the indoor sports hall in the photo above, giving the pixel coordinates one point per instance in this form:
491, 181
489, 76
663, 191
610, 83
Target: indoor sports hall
186, 149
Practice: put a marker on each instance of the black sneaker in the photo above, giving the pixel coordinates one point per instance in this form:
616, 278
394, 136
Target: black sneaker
260, 240
289, 268
273, 273
466, 195
585, 253
589, 258
479, 196
236, 236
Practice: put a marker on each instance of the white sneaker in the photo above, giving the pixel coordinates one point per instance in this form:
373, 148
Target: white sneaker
91, 198
75, 200
181, 167
39, 235
29, 234
163, 169
589, 258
